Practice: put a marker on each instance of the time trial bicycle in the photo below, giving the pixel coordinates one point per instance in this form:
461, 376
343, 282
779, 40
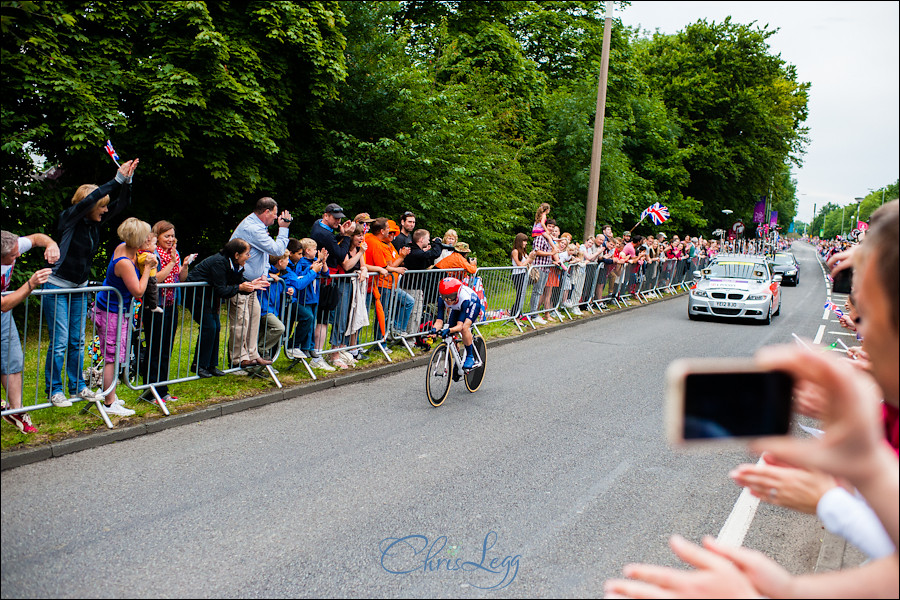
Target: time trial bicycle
445, 366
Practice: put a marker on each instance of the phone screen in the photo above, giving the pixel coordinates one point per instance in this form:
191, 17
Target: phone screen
725, 405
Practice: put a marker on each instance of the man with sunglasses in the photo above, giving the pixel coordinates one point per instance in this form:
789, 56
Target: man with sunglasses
465, 308
407, 226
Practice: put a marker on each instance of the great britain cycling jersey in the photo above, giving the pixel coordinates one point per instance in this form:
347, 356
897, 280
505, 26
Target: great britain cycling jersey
467, 306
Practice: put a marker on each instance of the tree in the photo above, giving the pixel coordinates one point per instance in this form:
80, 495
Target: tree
212, 97
740, 109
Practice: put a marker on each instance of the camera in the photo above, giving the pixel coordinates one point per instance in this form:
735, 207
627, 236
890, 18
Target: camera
725, 399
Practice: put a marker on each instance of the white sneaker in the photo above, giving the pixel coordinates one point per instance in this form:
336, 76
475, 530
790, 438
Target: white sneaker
89, 395
59, 400
577, 311
540, 320
348, 358
319, 363
296, 353
118, 409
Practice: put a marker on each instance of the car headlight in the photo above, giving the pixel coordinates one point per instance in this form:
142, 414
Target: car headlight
701, 294
758, 297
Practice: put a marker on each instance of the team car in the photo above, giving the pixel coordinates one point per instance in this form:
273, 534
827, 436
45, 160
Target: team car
788, 267
736, 286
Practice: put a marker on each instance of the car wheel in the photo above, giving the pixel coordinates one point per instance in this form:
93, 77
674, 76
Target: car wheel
777, 310
692, 316
768, 318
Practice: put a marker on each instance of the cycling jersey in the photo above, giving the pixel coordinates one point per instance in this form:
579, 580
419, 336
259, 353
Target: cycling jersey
467, 306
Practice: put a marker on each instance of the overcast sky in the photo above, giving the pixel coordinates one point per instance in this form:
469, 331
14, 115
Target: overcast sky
850, 53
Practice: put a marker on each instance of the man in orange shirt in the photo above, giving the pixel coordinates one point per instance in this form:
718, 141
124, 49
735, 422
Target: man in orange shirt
384, 259
458, 260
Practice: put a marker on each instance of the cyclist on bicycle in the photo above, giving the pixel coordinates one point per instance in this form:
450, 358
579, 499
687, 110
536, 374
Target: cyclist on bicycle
465, 308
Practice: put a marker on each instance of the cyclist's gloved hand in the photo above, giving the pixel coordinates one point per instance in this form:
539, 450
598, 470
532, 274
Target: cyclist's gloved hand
445, 332
432, 331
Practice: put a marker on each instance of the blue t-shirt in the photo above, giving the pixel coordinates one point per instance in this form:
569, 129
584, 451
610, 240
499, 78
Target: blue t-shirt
110, 302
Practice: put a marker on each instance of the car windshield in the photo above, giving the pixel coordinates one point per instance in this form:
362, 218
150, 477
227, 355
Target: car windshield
784, 259
736, 270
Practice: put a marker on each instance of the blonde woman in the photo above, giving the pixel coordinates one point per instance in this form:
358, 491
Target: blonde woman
79, 240
110, 316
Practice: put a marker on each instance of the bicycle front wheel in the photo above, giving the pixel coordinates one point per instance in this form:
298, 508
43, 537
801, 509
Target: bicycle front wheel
438, 377
475, 376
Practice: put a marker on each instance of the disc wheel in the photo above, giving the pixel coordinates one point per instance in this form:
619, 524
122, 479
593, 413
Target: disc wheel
476, 376
438, 377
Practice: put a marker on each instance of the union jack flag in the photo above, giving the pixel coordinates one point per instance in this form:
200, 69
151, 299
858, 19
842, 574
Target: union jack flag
111, 152
833, 307
659, 214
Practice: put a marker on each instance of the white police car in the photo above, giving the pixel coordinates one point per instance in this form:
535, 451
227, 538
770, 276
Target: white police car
741, 286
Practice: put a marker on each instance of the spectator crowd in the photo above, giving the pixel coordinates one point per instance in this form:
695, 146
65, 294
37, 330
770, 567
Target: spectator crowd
343, 267
343, 273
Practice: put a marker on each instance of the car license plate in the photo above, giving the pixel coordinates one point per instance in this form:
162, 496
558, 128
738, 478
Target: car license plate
727, 304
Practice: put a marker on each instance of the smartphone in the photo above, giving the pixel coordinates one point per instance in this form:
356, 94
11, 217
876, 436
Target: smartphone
725, 399
842, 282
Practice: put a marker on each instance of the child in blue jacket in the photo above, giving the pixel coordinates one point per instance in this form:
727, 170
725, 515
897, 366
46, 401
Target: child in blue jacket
309, 267
272, 302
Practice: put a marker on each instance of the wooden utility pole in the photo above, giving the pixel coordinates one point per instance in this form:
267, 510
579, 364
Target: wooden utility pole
590, 209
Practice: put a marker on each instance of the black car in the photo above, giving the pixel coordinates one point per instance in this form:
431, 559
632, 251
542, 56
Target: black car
788, 267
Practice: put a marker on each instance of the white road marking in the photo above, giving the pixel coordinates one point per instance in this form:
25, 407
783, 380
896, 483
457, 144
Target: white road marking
842, 333
738, 522
825, 314
819, 334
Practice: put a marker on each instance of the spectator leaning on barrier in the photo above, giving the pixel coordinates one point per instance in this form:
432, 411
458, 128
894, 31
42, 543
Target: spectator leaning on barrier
381, 253
271, 301
65, 313
244, 309
159, 329
521, 260
311, 270
334, 298
354, 262
12, 363
543, 258
224, 272
112, 312
458, 262
421, 256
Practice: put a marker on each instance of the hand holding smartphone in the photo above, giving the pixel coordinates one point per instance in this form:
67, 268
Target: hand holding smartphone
726, 399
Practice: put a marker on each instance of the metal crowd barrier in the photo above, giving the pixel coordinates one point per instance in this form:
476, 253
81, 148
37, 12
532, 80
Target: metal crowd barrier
366, 301
161, 343
74, 349
163, 347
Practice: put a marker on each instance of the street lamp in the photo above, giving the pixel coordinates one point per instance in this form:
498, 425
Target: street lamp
883, 188
726, 212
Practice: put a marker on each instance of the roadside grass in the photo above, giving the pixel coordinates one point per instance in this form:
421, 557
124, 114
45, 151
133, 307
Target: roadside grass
55, 424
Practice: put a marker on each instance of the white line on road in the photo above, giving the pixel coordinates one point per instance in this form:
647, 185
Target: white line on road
842, 333
819, 334
738, 522
825, 314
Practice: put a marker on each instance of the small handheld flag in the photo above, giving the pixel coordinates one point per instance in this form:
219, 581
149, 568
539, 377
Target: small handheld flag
112, 153
833, 307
